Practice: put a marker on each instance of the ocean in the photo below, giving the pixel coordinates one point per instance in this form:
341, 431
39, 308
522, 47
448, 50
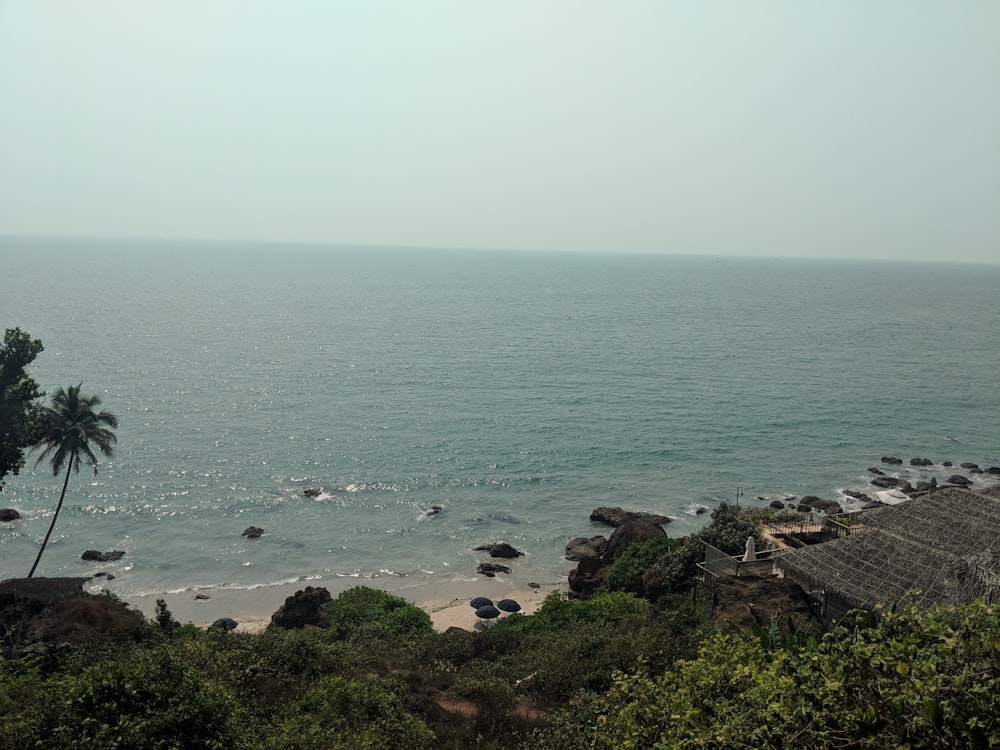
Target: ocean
515, 391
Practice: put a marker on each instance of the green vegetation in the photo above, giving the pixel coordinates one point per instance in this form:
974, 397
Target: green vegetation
611, 672
916, 679
19, 396
66, 430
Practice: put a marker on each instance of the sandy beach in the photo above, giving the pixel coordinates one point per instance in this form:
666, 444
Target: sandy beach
446, 601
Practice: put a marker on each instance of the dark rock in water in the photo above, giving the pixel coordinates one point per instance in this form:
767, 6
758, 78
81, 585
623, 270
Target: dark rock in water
809, 500
312, 492
9, 514
433, 510
499, 549
976, 471
616, 517
93, 555
777, 505
891, 460
969, 465
827, 506
252, 532
923, 487
920, 462
302, 609
581, 547
491, 569
946, 463
994, 470
875, 470
629, 533
224, 623
202, 597
803, 508
857, 495
959, 480
874, 504
533, 585
105, 574
504, 517
887, 482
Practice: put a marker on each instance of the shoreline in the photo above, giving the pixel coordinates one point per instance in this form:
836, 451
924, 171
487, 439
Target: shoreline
446, 601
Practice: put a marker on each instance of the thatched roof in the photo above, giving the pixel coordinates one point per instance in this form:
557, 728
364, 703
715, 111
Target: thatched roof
943, 547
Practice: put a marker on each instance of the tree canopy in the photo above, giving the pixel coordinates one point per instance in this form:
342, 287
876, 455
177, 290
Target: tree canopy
19, 395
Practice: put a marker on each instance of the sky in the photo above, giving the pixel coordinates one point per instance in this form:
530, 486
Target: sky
834, 129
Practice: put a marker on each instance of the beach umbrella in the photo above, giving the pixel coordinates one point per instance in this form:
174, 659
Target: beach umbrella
224, 623
481, 601
487, 612
508, 605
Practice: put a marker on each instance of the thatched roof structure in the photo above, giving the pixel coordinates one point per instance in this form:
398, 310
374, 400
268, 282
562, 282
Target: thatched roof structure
943, 547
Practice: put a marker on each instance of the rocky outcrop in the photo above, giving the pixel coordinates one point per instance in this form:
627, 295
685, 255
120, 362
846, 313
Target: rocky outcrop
490, 570
959, 480
888, 482
969, 465
94, 555
582, 547
312, 492
499, 549
302, 609
615, 517
595, 555
9, 514
876, 471
891, 460
920, 462
252, 532
629, 533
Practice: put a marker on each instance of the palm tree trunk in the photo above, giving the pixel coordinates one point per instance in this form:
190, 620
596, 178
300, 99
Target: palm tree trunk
55, 515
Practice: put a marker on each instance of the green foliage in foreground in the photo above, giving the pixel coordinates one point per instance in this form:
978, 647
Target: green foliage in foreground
918, 680
611, 672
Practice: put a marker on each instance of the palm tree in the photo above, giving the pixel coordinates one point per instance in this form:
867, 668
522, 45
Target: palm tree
69, 426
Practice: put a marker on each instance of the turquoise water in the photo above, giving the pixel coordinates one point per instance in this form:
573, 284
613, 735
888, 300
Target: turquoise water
518, 391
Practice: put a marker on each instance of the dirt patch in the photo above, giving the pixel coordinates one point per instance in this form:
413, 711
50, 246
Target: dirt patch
739, 602
58, 610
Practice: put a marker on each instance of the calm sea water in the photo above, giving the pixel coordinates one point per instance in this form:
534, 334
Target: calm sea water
516, 391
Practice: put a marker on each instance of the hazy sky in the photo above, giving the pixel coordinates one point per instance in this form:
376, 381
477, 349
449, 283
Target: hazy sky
857, 129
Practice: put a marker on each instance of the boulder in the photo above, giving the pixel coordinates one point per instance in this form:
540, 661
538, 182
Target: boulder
858, 495
499, 549
490, 570
946, 463
969, 465
252, 532
891, 460
9, 514
590, 576
920, 462
94, 555
994, 470
581, 547
312, 492
629, 533
615, 517
302, 609
959, 480
831, 507
777, 505
886, 482
876, 471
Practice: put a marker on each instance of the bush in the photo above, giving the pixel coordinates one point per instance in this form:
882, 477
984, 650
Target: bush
625, 574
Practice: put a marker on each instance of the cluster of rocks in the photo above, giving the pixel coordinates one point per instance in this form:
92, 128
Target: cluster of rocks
884, 481
594, 556
500, 550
